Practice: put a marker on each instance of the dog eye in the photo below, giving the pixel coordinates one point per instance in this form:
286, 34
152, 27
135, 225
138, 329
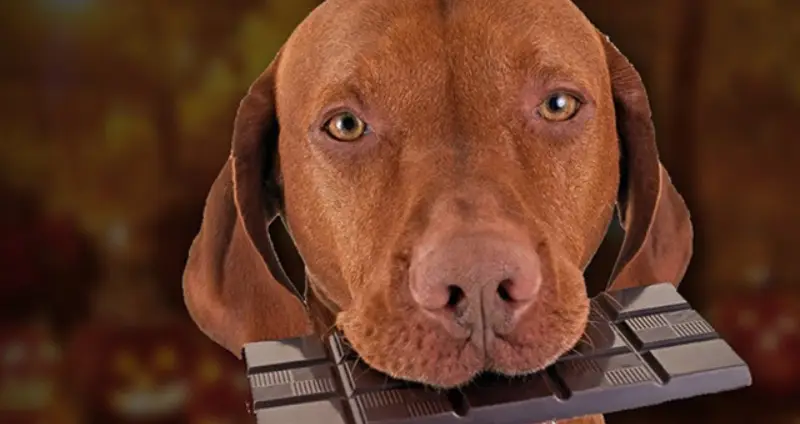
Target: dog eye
346, 127
559, 107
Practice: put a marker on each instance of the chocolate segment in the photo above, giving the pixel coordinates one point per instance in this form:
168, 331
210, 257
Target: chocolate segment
404, 406
514, 399
643, 346
332, 411
293, 386
285, 354
638, 301
680, 327
601, 338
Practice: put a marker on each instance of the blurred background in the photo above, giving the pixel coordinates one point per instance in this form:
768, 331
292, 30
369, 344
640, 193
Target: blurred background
116, 117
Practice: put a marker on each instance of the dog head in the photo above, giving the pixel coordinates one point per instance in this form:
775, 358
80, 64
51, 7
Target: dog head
447, 170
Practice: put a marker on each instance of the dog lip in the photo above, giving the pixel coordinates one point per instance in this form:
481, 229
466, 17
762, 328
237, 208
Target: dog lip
518, 310
454, 328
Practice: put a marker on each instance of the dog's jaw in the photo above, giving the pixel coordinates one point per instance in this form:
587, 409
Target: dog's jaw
523, 352
392, 334
414, 350
421, 352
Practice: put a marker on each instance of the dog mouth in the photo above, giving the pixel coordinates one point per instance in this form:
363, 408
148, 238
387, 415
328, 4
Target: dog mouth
520, 305
423, 353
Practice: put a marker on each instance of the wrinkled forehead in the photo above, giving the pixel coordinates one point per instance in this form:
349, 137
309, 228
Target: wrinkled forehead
366, 47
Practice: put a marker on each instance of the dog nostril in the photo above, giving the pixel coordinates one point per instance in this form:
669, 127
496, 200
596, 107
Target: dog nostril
456, 295
502, 290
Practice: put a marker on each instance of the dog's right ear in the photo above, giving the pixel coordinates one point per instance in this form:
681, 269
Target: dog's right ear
234, 287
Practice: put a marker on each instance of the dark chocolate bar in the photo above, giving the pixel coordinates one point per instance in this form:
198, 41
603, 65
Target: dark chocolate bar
643, 346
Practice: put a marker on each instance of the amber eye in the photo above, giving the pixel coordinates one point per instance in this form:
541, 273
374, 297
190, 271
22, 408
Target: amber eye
559, 107
346, 127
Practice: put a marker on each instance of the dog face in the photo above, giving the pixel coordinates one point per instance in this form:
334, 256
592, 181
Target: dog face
447, 169
488, 131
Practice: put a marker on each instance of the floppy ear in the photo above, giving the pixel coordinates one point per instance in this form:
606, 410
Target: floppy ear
234, 286
658, 233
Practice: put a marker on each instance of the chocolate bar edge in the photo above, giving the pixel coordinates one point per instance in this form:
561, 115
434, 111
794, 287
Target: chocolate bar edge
701, 383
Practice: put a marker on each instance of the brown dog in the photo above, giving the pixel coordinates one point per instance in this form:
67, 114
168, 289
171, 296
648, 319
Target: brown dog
446, 170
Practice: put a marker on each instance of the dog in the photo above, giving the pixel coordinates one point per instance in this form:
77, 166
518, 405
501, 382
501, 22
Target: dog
435, 175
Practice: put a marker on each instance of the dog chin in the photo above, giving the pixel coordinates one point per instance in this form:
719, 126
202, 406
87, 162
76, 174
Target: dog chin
404, 344
407, 347
539, 343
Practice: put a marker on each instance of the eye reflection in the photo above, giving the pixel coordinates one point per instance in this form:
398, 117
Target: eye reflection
559, 107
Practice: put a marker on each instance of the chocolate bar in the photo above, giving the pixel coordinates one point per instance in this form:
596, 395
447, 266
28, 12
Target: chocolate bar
643, 346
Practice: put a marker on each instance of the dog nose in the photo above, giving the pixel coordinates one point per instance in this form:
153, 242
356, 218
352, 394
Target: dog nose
475, 280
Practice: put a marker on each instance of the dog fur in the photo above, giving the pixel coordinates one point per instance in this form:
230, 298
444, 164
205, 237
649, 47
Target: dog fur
449, 89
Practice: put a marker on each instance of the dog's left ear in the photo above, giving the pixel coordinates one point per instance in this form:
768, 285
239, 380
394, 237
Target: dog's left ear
658, 233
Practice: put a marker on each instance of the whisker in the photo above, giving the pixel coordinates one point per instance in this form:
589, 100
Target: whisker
615, 301
590, 342
331, 328
363, 373
354, 365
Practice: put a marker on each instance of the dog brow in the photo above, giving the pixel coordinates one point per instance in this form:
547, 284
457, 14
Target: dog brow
549, 70
542, 58
340, 91
554, 72
354, 81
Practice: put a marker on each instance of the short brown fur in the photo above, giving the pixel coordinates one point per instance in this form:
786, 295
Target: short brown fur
449, 88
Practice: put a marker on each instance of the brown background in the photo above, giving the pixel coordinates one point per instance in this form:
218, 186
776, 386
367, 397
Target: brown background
116, 116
